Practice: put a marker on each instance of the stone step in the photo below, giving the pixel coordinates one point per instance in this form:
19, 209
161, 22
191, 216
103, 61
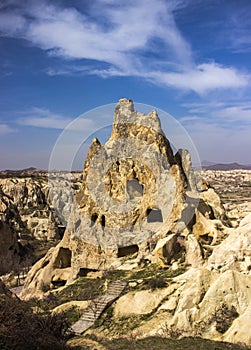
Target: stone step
97, 306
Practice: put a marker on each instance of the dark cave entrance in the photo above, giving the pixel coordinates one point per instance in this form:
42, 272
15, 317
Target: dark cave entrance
103, 221
134, 188
154, 215
129, 250
63, 259
94, 218
83, 272
61, 231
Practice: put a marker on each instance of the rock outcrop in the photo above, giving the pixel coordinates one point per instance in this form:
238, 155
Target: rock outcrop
136, 195
27, 215
234, 252
10, 225
198, 303
141, 205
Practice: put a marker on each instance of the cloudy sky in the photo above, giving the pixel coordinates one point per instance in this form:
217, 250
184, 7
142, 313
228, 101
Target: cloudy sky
60, 58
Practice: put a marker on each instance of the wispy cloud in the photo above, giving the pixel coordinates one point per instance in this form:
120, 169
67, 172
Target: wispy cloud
219, 143
126, 39
5, 129
221, 113
203, 78
220, 130
240, 28
44, 118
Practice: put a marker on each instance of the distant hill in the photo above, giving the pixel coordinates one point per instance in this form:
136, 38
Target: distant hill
226, 166
206, 163
30, 169
21, 172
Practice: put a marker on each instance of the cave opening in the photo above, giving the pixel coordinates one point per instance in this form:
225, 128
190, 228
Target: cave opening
58, 283
94, 218
134, 188
83, 272
128, 250
154, 215
63, 259
103, 221
61, 231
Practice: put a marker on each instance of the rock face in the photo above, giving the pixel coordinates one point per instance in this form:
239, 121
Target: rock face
10, 224
32, 201
135, 192
235, 251
197, 303
27, 217
138, 203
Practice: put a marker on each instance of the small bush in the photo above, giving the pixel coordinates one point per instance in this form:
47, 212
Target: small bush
224, 317
157, 282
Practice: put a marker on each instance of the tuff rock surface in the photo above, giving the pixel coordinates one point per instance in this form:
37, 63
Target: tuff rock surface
197, 303
27, 216
140, 202
136, 197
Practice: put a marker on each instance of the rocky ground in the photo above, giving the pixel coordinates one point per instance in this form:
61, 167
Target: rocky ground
149, 255
234, 188
160, 298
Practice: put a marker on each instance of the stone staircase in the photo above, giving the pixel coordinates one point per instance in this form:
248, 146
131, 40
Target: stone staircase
97, 306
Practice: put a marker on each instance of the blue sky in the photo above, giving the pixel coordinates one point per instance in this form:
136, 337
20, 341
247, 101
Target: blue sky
60, 58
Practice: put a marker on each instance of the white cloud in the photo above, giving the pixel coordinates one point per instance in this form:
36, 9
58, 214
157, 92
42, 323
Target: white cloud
229, 113
236, 113
189, 118
239, 30
125, 38
67, 32
220, 130
43, 118
6, 129
204, 77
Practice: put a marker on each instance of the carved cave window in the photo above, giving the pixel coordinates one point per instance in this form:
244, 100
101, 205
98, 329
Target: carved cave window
134, 188
94, 218
154, 215
84, 271
124, 251
63, 259
103, 221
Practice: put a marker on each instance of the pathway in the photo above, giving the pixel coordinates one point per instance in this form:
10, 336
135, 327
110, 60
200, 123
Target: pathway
97, 306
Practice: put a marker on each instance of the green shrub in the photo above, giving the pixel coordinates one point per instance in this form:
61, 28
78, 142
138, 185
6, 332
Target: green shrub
157, 282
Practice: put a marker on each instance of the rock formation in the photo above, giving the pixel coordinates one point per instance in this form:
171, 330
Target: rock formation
197, 303
136, 197
27, 217
141, 205
10, 223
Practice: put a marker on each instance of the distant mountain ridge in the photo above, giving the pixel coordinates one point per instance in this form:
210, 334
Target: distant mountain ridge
27, 172
19, 170
206, 165
224, 166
